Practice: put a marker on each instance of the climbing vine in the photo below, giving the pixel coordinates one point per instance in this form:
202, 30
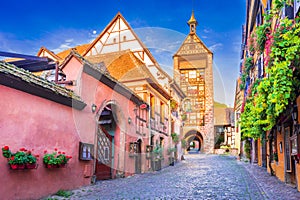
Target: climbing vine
272, 94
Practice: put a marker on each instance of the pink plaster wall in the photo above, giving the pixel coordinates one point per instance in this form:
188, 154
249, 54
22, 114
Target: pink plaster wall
92, 91
36, 123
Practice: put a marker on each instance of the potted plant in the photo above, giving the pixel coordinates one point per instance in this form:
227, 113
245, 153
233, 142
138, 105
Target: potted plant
18, 160
55, 159
171, 150
22, 159
157, 152
175, 137
31, 160
157, 157
183, 143
173, 105
183, 116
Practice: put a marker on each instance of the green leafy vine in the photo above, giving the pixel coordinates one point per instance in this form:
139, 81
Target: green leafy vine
272, 94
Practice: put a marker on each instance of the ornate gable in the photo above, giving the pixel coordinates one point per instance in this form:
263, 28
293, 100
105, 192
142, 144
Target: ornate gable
119, 36
192, 45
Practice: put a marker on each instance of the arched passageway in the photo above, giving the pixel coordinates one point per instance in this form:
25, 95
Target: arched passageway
194, 141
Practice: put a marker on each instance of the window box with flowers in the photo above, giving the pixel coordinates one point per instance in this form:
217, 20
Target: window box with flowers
22, 159
55, 159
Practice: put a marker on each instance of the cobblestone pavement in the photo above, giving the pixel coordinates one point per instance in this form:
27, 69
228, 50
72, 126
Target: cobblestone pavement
200, 176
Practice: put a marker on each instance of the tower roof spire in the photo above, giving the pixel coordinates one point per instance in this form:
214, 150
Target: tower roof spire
192, 19
192, 23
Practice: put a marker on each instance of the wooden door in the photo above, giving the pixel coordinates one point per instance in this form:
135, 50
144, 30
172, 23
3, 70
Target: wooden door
104, 155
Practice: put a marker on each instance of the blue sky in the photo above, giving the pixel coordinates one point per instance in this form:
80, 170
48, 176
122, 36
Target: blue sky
27, 25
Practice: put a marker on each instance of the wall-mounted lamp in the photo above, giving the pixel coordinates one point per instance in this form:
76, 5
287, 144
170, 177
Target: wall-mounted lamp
129, 120
94, 108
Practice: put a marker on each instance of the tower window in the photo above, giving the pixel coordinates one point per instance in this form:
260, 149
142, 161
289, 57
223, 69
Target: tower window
192, 28
192, 74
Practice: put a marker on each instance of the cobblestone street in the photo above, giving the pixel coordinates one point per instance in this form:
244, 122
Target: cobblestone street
200, 176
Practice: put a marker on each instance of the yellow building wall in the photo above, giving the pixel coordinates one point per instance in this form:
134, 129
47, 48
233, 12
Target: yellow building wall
259, 159
280, 165
298, 175
298, 165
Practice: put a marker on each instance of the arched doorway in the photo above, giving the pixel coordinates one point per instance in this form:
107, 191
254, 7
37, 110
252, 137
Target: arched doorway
194, 141
106, 130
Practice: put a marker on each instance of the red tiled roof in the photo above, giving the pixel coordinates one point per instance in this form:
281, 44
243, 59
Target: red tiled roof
80, 49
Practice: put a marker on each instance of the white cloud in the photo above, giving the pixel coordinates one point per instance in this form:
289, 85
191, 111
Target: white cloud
56, 41
207, 30
62, 47
236, 46
69, 40
160, 38
216, 47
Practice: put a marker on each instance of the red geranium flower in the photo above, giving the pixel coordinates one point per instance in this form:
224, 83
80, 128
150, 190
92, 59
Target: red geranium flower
63, 153
6, 148
59, 152
55, 149
45, 151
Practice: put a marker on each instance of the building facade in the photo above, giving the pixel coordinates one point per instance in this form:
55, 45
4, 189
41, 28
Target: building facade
194, 74
269, 110
120, 53
90, 121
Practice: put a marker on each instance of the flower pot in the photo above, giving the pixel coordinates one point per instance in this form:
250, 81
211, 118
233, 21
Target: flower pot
63, 165
171, 161
13, 166
21, 166
51, 166
31, 165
